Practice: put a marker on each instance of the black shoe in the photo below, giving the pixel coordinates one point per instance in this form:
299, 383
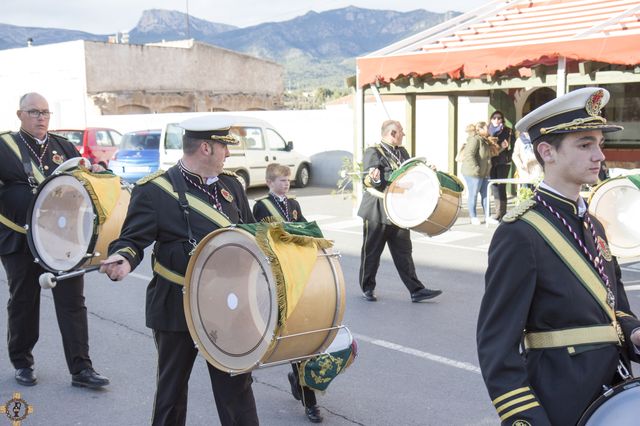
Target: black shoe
88, 378
26, 376
424, 294
295, 389
369, 296
313, 414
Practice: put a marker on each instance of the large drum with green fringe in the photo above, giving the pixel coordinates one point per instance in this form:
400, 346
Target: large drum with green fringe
74, 217
616, 204
263, 294
422, 199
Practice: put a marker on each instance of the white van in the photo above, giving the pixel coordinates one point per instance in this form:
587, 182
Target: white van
260, 144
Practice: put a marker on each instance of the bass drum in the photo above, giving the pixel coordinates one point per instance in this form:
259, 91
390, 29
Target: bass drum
618, 406
616, 204
74, 217
423, 200
232, 307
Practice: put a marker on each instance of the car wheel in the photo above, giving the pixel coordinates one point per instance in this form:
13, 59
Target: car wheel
302, 177
243, 177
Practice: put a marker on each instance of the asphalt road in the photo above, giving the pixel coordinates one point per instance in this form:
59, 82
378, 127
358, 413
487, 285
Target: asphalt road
417, 363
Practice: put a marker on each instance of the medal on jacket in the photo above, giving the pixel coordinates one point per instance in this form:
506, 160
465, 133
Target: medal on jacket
604, 248
226, 195
57, 158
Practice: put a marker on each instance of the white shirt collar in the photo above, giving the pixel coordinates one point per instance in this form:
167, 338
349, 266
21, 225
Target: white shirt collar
279, 198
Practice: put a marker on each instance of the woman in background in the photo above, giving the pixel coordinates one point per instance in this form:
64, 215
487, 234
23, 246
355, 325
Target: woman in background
476, 165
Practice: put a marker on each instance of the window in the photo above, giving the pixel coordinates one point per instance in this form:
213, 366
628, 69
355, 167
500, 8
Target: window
115, 137
173, 136
276, 142
253, 138
623, 109
103, 138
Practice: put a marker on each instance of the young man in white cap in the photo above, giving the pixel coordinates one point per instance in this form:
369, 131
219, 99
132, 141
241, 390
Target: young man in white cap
176, 209
555, 324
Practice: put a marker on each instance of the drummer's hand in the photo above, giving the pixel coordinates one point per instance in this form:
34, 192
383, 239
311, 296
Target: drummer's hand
635, 337
374, 174
95, 168
115, 271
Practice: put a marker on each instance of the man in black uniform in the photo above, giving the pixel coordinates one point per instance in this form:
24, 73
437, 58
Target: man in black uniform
176, 210
380, 161
28, 156
555, 324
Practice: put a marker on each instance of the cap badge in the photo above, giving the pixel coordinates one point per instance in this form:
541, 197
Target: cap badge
226, 195
594, 103
57, 158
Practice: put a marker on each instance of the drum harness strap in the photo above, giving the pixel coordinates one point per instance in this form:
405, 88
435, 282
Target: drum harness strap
177, 188
273, 210
33, 178
394, 163
587, 335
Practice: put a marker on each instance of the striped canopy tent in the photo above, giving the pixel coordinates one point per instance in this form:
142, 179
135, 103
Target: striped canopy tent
510, 44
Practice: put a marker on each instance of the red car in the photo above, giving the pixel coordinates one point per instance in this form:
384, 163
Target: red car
95, 143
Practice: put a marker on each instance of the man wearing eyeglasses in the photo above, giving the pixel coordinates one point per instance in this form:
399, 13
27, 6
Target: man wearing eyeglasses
30, 155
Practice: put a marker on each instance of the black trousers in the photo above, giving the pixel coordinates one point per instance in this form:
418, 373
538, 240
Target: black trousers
375, 237
499, 171
176, 355
308, 395
23, 307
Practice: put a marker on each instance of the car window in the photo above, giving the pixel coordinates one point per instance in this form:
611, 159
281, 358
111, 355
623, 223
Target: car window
140, 141
173, 136
74, 136
276, 142
253, 138
116, 137
103, 138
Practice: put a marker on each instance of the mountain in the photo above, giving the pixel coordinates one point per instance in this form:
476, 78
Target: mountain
316, 49
157, 25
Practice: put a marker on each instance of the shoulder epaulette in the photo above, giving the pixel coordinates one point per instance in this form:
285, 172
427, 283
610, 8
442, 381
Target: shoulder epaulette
520, 209
230, 173
150, 177
291, 197
262, 198
4, 132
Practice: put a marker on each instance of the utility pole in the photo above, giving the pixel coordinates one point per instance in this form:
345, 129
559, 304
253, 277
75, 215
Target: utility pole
188, 31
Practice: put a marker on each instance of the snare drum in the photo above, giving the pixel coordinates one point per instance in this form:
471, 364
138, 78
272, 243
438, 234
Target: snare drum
73, 218
422, 199
617, 406
233, 303
616, 204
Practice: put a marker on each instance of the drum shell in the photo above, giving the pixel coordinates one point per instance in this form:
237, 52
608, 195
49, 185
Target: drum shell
320, 307
615, 203
101, 234
436, 219
618, 406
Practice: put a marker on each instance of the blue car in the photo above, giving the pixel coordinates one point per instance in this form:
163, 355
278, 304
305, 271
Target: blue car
137, 156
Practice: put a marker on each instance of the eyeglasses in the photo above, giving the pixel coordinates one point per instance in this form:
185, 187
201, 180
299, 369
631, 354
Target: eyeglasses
35, 113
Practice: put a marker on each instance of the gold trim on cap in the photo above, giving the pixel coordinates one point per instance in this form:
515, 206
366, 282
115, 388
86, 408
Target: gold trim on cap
588, 122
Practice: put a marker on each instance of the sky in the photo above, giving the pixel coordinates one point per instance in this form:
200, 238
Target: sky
110, 16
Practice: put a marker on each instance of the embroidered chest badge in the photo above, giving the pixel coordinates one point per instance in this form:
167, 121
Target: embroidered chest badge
294, 214
603, 247
57, 158
226, 195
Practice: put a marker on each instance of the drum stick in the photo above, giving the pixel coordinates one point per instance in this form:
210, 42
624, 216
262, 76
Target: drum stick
49, 280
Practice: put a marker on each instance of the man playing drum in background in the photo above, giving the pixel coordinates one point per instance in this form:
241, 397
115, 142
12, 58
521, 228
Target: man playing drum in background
29, 156
176, 210
551, 274
380, 161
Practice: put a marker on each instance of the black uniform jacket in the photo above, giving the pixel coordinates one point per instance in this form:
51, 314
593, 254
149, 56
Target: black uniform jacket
528, 287
506, 134
155, 216
261, 211
385, 158
15, 193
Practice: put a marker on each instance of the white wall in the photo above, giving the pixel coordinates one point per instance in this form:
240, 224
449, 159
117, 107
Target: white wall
57, 71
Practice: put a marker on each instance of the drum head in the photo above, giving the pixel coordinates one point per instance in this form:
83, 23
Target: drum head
412, 197
616, 203
617, 407
61, 223
230, 300
342, 341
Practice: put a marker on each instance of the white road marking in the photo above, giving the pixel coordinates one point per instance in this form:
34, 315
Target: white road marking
351, 223
450, 236
420, 354
319, 217
139, 276
632, 287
